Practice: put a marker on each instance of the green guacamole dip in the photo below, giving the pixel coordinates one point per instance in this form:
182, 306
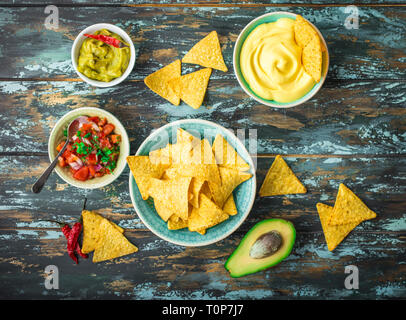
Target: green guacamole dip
100, 61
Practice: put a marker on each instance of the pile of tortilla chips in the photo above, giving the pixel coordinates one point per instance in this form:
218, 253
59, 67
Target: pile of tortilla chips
104, 237
338, 221
308, 39
190, 88
280, 180
190, 181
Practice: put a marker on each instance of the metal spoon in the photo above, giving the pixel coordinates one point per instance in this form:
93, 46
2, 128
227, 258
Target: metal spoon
72, 130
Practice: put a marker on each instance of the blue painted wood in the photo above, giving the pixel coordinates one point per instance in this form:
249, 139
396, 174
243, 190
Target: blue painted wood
353, 131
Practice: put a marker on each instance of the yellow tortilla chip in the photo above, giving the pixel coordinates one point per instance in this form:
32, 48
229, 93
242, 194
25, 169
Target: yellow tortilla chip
206, 190
198, 163
113, 243
229, 207
227, 156
348, 208
164, 212
195, 187
182, 136
172, 154
333, 234
280, 180
91, 230
207, 53
159, 82
192, 87
230, 179
173, 194
312, 58
304, 32
206, 216
143, 170
176, 223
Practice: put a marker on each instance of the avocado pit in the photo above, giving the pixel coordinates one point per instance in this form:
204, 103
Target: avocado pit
266, 245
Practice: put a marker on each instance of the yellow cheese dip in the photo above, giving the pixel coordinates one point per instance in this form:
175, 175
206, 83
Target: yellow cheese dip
100, 61
271, 62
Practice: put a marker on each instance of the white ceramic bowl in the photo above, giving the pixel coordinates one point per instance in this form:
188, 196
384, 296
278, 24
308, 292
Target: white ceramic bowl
57, 136
267, 18
244, 194
90, 30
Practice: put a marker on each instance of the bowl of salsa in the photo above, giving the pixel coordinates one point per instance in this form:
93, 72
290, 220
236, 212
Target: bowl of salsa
96, 154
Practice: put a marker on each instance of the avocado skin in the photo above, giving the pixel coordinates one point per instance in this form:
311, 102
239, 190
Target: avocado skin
269, 263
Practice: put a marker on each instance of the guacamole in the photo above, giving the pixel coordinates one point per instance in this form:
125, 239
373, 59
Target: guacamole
100, 61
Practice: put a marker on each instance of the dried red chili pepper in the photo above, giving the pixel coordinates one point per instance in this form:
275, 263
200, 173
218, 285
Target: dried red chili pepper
73, 244
73, 236
106, 39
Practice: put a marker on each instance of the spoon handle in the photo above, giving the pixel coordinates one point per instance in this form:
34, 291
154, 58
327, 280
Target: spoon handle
37, 186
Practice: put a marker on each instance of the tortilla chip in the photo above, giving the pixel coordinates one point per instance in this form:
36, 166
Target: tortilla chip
192, 87
91, 230
207, 53
227, 156
113, 243
171, 154
206, 190
312, 59
173, 194
182, 136
164, 212
230, 179
333, 234
229, 207
206, 216
280, 180
304, 32
199, 163
176, 223
195, 187
143, 170
348, 208
159, 82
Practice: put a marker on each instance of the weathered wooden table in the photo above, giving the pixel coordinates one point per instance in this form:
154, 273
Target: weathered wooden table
353, 131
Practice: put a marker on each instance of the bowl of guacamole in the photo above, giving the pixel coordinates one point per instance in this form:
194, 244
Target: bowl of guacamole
101, 64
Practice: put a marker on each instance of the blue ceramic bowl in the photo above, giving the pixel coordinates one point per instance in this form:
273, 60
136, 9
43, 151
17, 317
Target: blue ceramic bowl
266, 18
244, 194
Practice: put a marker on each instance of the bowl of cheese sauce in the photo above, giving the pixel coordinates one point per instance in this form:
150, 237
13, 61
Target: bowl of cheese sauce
268, 62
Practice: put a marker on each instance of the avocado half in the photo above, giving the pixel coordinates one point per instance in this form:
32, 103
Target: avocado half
241, 263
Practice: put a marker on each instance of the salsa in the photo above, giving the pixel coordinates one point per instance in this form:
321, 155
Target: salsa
93, 151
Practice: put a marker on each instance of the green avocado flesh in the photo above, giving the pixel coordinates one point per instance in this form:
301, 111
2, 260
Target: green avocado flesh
241, 262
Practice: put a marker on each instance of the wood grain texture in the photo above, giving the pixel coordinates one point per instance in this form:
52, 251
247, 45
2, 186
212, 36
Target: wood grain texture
362, 117
162, 34
353, 131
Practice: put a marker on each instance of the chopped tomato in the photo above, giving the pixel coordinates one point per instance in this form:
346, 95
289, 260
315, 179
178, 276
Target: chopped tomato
94, 119
86, 127
102, 122
66, 154
82, 174
60, 146
73, 171
92, 171
105, 143
115, 138
108, 128
61, 161
91, 159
